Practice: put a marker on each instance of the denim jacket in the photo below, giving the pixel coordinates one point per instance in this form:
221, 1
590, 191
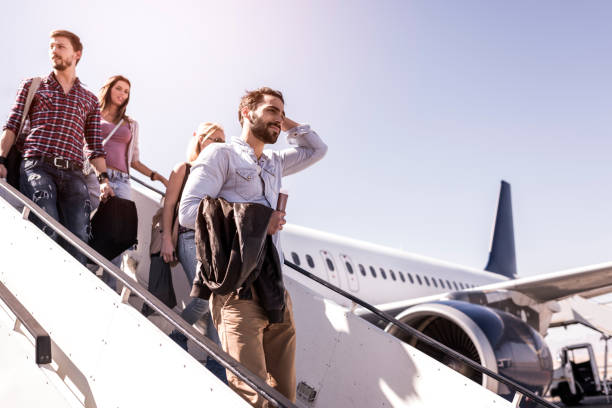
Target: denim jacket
232, 171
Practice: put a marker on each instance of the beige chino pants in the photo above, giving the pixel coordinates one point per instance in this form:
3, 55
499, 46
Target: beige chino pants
267, 350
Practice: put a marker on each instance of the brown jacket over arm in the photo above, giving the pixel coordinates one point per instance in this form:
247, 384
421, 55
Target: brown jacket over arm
236, 253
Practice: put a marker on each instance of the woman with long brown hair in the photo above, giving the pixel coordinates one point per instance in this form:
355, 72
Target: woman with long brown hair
122, 150
120, 135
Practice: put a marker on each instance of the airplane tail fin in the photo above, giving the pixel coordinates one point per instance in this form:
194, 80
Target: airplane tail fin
502, 256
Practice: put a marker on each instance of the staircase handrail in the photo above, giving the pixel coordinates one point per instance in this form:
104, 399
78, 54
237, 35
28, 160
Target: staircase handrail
259, 385
519, 390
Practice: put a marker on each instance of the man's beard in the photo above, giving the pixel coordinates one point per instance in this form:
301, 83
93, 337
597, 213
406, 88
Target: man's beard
60, 65
262, 131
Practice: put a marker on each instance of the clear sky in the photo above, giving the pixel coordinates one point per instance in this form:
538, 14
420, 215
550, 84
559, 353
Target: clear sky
425, 105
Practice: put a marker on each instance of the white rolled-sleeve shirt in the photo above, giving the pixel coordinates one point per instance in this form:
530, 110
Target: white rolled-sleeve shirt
233, 172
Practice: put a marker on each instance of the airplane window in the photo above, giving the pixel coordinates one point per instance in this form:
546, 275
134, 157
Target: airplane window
392, 274
418, 279
448, 284
362, 270
296, 258
330, 264
349, 268
426, 280
383, 274
373, 271
433, 280
461, 285
401, 275
310, 261
455, 284
441, 283
410, 278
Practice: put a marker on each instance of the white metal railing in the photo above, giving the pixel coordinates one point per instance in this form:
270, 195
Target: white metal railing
28, 207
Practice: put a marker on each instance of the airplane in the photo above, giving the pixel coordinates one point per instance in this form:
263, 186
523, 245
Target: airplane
491, 315
342, 360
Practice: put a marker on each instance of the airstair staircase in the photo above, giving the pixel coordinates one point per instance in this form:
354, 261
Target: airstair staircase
105, 353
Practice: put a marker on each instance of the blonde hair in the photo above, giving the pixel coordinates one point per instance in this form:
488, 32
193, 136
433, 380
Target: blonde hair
204, 129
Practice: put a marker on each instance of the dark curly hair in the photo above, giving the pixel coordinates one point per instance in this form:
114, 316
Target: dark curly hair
252, 98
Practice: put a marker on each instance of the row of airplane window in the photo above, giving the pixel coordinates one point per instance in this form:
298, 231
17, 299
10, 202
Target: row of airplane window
444, 284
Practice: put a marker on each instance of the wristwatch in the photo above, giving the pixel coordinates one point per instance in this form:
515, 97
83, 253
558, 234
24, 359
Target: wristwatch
102, 176
2, 160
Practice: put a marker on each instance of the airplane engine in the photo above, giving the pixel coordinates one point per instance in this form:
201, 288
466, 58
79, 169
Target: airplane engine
496, 339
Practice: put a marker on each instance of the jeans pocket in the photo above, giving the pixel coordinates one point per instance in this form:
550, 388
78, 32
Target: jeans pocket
29, 163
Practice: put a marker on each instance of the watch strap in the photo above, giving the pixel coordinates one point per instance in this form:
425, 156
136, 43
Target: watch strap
103, 175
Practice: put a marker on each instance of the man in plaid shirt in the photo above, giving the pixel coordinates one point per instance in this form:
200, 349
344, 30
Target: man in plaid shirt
64, 119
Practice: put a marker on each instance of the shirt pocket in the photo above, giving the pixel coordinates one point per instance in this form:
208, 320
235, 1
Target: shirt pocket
44, 101
80, 112
247, 184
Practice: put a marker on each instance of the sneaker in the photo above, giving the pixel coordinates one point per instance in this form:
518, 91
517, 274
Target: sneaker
217, 369
180, 339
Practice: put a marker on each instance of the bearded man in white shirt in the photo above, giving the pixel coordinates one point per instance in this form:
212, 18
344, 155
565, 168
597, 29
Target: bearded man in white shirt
242, 172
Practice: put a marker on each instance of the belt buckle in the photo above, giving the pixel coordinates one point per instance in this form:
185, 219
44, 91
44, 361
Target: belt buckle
61, 163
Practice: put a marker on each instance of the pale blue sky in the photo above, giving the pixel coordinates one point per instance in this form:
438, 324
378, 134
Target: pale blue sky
425, 106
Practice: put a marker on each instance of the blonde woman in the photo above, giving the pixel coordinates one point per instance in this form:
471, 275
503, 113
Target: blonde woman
206, 134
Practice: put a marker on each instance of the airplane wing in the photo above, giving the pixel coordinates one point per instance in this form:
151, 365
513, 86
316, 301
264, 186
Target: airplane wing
590, 281
587, 281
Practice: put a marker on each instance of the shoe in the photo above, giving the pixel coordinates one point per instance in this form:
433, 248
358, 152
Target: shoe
217, 369
179, 338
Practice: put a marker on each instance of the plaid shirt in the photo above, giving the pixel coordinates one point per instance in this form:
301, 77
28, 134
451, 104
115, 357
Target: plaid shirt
60, 124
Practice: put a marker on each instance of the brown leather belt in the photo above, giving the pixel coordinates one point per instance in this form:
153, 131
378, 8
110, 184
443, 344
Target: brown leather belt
182, 229
59, 162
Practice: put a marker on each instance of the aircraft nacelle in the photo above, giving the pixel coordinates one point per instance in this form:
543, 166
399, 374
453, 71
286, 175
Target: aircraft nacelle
496, 339
536, 314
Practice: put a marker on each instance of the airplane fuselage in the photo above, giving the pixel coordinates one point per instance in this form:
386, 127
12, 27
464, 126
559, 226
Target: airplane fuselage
374, 273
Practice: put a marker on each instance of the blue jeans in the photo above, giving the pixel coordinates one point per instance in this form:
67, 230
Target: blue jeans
63, 195
120, 183
197, 308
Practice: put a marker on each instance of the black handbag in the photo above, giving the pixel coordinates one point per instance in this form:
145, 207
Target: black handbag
160, 284
114, 227
13, 162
